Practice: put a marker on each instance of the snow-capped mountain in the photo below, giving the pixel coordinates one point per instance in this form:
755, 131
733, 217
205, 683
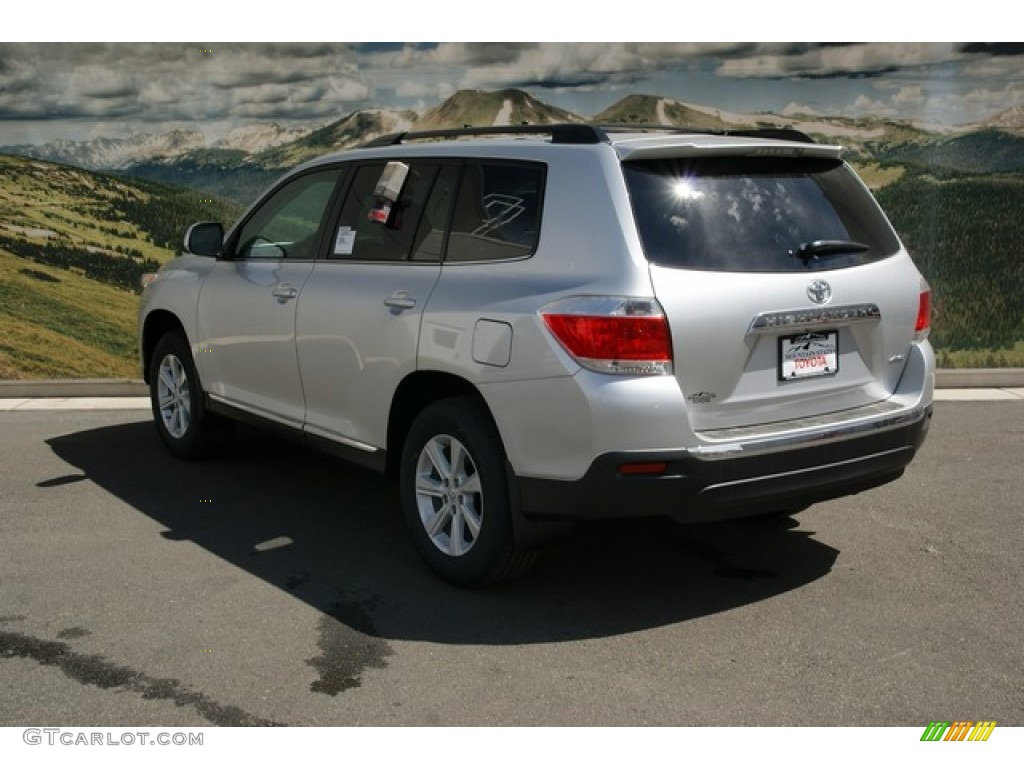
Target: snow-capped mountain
118, 154
258, 137
113, 154
1010, 119
492, 108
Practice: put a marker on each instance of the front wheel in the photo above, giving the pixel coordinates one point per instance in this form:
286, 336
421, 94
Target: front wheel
182, 421
455, 496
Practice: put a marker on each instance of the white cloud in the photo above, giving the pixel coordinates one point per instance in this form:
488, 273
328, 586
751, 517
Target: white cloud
909, 97
852, 60
147, 84
346, 89
411, 89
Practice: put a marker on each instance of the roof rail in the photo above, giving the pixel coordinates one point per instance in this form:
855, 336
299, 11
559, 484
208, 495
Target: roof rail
582, 133
561, 133
768, 132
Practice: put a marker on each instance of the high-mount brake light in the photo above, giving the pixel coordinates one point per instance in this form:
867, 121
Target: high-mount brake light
612, 334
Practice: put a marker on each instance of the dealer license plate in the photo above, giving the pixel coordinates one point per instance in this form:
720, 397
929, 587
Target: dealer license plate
809, 354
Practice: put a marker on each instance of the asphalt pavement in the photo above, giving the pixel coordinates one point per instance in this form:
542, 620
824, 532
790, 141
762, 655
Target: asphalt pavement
278, 586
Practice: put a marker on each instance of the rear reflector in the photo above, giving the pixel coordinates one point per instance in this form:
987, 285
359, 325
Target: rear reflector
644, 468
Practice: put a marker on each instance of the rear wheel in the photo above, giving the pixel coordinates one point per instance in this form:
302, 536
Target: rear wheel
185, 426
455, 496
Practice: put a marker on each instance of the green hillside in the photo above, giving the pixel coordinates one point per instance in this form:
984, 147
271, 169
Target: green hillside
221, 174
964, 234
58, 324
989, 151
73, 246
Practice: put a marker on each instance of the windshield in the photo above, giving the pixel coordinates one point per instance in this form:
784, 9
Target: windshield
776, 214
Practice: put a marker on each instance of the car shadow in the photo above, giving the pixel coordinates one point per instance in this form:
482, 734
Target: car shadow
332, 535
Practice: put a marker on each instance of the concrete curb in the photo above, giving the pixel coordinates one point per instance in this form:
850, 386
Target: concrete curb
73, 388
966, 378
946, 378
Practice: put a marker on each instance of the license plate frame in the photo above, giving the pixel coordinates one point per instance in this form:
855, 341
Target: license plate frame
809, 355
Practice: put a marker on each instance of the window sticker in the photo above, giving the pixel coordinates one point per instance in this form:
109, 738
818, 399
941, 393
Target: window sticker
345, 242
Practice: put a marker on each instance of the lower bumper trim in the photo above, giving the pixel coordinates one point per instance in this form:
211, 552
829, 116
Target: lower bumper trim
695, 489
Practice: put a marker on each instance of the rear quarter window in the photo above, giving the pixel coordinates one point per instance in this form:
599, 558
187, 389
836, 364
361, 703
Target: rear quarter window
497, 214
754, 214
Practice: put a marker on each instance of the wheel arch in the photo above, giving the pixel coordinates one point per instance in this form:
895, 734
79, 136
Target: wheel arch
417, 391
157, 324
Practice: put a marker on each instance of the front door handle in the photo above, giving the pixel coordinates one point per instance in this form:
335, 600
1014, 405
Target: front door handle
284, 292
400, 300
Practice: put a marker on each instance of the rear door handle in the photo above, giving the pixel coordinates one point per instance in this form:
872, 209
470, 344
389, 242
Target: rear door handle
400, 300
284, 292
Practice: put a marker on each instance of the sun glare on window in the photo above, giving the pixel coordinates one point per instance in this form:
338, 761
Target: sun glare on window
683, 189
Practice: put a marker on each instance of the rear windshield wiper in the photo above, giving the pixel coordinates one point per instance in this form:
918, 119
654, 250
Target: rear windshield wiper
817, 248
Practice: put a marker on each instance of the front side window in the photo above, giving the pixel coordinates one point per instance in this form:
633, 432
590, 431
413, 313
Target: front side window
497, 214
777, 214
287, 225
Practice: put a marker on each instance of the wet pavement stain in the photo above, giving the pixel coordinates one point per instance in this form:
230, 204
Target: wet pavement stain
96, 670
53, 482
73, 632
349, 645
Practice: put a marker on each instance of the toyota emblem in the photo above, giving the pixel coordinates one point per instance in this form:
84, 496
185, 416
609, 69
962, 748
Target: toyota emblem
819, 292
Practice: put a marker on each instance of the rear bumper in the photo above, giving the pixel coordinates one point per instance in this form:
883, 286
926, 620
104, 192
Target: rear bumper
736, 478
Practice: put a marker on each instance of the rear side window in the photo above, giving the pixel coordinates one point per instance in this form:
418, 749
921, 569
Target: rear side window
497, 213
361, 237
756, 214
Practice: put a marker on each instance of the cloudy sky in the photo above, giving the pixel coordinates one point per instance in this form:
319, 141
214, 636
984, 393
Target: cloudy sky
84, 90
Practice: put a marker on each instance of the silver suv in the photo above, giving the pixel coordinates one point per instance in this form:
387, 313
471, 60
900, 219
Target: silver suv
557, 323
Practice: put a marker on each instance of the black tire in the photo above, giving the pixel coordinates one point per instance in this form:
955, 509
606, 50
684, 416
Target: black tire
460, 516
185, 427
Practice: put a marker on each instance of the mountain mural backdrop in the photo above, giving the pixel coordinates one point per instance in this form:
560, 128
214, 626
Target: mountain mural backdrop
81, 221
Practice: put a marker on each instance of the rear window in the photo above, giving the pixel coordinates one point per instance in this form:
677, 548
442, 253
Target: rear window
756, 214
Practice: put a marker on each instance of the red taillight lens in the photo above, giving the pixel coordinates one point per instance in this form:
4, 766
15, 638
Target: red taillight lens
611, 334
924, 312
618, 338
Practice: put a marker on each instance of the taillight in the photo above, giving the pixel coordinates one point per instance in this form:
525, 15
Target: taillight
612, 334
924, 314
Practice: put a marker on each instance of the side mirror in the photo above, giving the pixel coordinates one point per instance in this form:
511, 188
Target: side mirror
205, 239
